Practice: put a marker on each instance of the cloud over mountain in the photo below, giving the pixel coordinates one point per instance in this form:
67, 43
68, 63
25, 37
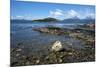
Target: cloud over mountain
72, 13
56, 13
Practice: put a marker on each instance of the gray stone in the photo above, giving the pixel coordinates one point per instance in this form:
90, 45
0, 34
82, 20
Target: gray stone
18, 50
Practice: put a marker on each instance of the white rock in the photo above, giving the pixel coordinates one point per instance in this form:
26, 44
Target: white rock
57, 46
37, 61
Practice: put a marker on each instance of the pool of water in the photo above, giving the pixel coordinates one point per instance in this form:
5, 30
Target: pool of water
34, 41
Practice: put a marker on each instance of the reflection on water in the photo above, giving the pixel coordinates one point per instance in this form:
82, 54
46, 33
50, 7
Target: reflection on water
21, 32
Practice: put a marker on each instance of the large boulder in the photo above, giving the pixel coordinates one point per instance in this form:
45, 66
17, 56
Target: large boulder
57, 46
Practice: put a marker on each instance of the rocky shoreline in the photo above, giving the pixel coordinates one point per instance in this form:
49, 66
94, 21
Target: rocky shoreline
57, 53
55, 57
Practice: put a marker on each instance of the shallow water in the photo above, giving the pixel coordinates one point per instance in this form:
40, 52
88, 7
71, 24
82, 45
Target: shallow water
32, 41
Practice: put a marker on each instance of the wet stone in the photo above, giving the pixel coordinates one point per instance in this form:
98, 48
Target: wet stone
18, 50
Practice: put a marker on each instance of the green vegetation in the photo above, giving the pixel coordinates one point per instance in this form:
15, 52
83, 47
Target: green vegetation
47, 20
53, 28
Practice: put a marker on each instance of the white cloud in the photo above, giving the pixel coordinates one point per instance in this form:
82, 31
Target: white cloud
19, 16
72, 13
79, 14
56, 13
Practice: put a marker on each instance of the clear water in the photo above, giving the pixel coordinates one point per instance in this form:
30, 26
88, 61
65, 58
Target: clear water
33, 41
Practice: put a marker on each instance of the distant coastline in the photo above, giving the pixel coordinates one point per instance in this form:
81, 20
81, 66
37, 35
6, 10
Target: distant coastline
54, 20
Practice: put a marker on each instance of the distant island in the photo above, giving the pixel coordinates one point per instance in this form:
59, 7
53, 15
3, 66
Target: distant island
47, 20
54, 20
69, 20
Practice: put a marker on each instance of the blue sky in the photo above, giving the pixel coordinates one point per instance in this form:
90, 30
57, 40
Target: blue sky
38, 10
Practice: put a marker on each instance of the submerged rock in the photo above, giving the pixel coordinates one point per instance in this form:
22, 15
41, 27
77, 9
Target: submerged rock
57, 46
18, 50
